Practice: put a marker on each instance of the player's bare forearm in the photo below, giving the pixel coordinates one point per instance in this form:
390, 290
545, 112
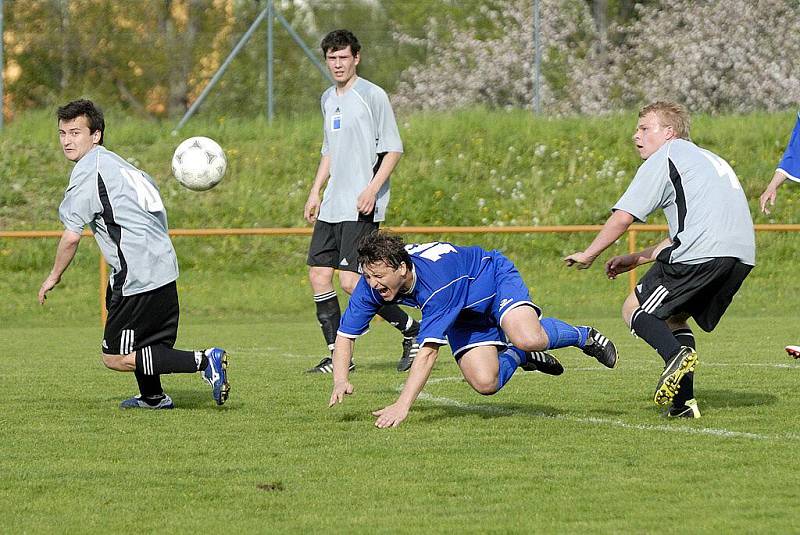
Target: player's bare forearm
612, 230
311, 209
67, 247
767, 199
418, 374
342, 353
392, 415
651, 253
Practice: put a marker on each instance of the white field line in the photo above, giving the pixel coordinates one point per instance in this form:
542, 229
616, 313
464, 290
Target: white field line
502, 411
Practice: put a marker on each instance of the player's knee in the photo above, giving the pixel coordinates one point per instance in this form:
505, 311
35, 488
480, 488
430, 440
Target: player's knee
535, 340
319, 278
113, 362
628, 308
485, 386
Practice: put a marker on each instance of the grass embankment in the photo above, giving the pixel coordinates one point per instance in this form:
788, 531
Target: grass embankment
465, 168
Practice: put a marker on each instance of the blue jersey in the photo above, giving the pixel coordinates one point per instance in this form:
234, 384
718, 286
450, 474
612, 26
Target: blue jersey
790, 163
465, 287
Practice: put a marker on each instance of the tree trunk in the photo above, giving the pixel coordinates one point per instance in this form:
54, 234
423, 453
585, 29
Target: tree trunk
180, 43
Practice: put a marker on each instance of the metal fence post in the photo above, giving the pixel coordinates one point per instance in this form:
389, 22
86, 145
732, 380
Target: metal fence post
2, 68
270, 93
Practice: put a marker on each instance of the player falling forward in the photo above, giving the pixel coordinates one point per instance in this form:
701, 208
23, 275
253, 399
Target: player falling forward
122, 206
700, 267
788, 168
473, 299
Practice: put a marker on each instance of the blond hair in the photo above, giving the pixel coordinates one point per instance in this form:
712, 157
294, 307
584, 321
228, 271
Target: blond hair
670, 114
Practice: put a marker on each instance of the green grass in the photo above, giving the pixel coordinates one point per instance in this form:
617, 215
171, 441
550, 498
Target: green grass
471, 167
585, 452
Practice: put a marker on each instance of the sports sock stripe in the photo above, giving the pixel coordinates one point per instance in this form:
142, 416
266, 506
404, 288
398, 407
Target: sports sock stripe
324, 297
147, 360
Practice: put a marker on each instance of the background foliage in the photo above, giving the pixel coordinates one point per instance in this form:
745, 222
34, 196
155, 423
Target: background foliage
154, 57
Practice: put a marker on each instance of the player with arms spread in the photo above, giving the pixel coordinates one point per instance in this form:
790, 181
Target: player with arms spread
699, 268
473, 299
122, 206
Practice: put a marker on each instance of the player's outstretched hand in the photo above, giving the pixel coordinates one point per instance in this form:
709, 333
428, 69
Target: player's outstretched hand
340, 390
620, 264
768, 198
390, 416
579, 260
48, 284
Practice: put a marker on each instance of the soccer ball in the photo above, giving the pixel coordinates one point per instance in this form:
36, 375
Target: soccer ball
199, 163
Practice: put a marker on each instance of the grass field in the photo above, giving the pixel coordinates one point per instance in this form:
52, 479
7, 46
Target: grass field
585, 452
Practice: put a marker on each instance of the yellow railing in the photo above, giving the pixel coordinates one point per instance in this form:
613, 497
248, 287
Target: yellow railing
632, 234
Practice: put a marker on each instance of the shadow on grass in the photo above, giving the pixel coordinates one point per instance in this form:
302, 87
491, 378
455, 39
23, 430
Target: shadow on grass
726, 399
430, 413
189, 398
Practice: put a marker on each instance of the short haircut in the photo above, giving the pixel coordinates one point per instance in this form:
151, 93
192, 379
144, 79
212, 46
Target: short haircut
93, 114
382, 246
339, 40
670, 114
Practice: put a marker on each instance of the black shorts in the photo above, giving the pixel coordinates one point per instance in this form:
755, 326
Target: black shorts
335, 245
140, 320
703, 291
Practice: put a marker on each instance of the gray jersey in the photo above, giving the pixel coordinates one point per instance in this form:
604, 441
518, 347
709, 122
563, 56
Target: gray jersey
705, 206
358, 126
122, 206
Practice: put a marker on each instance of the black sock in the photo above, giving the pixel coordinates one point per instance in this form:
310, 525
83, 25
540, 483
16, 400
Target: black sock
399, 320
655, 332
161, 359
685, 337
149, 385
328, 315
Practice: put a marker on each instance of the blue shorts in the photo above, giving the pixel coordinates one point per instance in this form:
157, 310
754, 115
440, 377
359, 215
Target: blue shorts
479, 323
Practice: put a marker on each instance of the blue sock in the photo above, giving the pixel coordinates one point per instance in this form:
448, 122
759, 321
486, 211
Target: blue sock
510, 359
563, 334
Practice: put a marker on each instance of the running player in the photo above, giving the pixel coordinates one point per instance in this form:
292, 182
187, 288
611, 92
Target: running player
699, 268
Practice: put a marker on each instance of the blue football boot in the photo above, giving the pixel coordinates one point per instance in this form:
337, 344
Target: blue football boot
216, 374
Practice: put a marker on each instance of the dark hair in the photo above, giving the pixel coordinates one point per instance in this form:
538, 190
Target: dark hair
382, 246
93, 114
339, 40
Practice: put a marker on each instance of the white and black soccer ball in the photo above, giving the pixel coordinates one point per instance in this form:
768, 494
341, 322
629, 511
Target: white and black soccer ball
199, 163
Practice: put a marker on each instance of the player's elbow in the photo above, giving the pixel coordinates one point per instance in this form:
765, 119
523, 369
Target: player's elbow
71, 238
